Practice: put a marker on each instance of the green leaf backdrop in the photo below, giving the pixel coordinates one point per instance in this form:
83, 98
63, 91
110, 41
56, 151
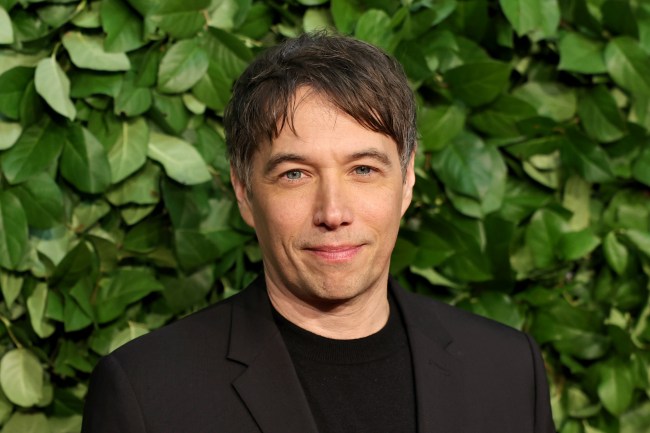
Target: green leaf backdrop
532, 202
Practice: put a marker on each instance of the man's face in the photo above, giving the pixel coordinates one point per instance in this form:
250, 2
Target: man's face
326, 203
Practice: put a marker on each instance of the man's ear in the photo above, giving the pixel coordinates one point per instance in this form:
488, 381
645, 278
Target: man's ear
243, 198
409, 182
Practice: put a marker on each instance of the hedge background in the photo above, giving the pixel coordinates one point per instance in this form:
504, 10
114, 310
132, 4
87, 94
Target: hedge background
532, 202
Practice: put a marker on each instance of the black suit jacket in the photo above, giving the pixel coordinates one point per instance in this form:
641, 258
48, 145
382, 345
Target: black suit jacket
226, 369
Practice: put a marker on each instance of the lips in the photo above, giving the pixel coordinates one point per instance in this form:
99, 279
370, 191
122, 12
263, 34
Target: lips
335, 253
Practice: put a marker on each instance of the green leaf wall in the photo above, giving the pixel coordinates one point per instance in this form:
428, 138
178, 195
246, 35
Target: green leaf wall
532, 202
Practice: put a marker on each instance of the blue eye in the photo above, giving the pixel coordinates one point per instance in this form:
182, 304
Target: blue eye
363, 170
293, 174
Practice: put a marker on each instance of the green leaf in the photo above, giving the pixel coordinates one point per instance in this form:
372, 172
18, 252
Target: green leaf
588, 159
134, 214
576, 198
600, 115
573, 330
132, 100
11, 59
641, 167
258, 21
145, 237
469, 167
581, 54
374, 26
184, 291
346, 14
54, 86
549, 99
6, 408
13, 231
575, 245
636, 420
616, 253
42, 200
227, 51
194, 249
619, 17
500, 118
36, 304
170, 113
9, 134
411, 56
21, 376
478, 83
123, 27
229, 14
81, 294
65, 425
193, 104
179, 18
127, 286
579, 405
88, 52
36, 149
133, 331
86, 214
182, 66
628, 65
496, 306
213, 88
6, 30
13, 84
71, 356
84, 162
316, 19
615, 387
87, 83
532, 16
141, 188
182, 162
26, 423
543, 235
640, 239
88, 18
129, 152
79, 263
439, 125
11, 285
76, 317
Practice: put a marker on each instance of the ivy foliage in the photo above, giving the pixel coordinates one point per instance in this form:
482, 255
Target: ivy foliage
532, 201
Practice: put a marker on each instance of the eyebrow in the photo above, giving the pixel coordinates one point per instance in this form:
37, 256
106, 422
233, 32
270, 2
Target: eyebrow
381, 157
283, 157
280, 158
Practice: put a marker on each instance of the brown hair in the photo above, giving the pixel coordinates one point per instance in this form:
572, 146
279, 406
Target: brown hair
357, 78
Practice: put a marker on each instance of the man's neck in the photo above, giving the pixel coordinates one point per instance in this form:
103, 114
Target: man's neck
360, 317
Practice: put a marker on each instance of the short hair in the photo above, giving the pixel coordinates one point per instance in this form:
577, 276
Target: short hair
357, 78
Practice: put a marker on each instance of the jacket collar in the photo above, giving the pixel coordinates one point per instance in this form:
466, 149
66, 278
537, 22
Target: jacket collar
270, 387
436, 369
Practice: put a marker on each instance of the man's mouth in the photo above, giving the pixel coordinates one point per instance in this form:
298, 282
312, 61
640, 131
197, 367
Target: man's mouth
335, 253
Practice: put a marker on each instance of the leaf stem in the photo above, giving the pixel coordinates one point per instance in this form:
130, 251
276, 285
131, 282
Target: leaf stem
7, 324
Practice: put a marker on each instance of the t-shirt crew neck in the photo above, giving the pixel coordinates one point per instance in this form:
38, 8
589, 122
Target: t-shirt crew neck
359, 385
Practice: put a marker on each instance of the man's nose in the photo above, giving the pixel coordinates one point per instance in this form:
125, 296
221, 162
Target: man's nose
332, 205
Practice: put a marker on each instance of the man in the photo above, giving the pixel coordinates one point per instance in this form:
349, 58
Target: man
321, 135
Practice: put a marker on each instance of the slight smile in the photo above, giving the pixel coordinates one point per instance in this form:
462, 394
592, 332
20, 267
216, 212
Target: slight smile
335, 253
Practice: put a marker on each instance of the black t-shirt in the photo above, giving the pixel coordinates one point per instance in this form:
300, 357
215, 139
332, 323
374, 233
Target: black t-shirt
360, 385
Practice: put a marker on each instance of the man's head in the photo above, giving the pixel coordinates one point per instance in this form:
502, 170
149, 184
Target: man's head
321, 132
355, 77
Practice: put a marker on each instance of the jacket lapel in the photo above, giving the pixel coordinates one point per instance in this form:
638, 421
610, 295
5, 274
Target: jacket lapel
269, 387
437, 372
